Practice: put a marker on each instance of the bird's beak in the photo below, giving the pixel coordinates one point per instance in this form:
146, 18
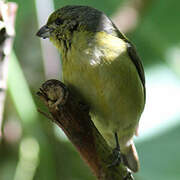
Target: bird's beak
44, 32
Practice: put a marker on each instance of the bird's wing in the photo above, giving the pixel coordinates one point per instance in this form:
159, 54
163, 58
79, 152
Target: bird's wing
133, 56
137, 62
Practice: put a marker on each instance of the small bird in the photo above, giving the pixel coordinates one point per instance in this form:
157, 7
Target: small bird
101, 67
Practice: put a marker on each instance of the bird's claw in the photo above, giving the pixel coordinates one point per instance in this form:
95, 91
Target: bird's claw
117, 157
128, 176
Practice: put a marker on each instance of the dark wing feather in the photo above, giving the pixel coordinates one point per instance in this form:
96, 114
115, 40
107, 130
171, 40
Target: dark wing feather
137, 62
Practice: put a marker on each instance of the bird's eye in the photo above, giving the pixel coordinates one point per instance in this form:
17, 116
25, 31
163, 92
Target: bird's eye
58, 21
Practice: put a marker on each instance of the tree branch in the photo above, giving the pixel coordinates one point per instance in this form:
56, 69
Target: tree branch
75, 121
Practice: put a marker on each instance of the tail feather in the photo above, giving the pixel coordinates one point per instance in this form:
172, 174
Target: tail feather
131, 159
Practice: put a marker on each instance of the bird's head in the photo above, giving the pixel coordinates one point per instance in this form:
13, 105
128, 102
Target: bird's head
65, 21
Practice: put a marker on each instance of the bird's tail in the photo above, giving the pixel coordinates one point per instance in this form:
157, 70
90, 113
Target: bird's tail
130, 158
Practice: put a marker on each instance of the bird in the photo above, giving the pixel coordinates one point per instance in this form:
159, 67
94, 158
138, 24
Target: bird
102, 69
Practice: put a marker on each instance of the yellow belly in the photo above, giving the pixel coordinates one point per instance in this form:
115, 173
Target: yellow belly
109, 83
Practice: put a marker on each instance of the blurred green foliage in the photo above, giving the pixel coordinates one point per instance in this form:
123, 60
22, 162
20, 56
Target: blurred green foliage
159, 156
157, 31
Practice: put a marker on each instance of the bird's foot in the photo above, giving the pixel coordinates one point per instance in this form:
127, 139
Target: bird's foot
117, 156
128, 176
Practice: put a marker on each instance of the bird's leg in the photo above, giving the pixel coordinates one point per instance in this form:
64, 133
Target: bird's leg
117, 156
